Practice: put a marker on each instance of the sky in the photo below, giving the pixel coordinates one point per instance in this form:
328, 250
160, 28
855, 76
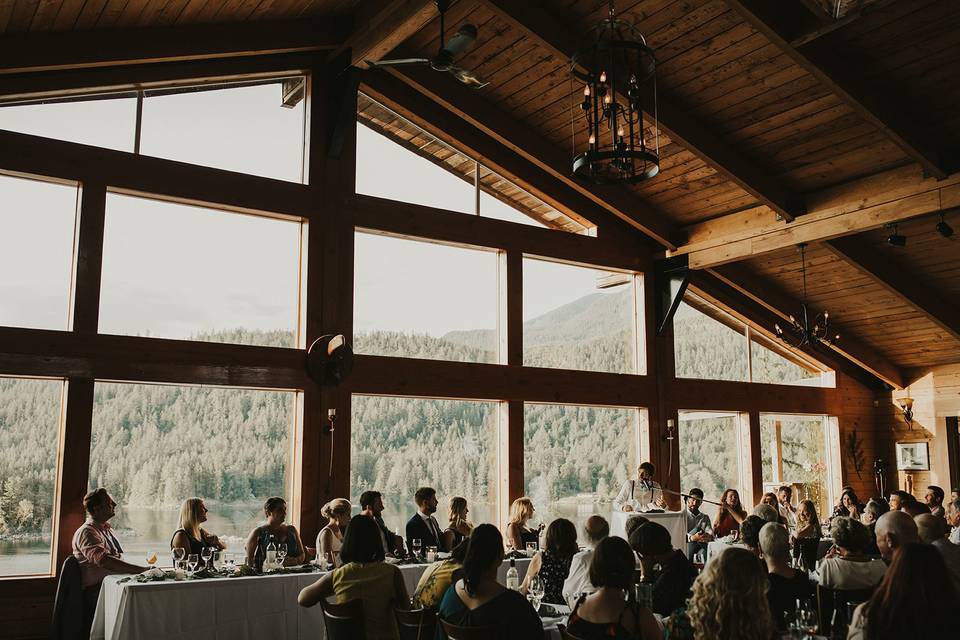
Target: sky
174, 271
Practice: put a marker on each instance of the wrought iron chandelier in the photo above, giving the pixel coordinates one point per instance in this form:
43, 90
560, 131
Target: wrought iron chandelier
806, 331
618, 73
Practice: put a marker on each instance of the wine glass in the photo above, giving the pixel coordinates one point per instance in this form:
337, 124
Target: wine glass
535, 592
531, 548
417, 544
281, 553
192, 562
206, 553
178, 555
228, 561
151, 558
808, 622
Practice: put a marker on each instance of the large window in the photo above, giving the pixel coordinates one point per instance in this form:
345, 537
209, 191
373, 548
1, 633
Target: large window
710, 347
772, 363
794, 451
400, 444
36, 252
710, 453
153, 446
29, 431
424, 300
176, 271
581, 318
107, 121
576, 458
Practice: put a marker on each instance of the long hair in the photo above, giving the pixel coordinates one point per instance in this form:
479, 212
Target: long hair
723, 500
729, 599
853, 497
458, 512
521, 510
190, 517
561, 538
914, 598
484, 550
812, 510
361, 542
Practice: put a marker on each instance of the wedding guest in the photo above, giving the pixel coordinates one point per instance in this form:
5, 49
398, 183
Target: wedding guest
371, 506
330, 538
438, 577
633, 523
667, 569
640, 493
518, 533
97, 550
933, 531
729, 601
953, 520
767, 512
934, 500
750, 533
914, 508
552, 564
611, 612
786, 584
875, 508
730, 515
596, 529
422, 525
478, 600
460, 527
895, 529
898, 499
366, 577
699, 529
191, 537
911, 600
787, 511
806, 539
275, 512
848, 566
848, 507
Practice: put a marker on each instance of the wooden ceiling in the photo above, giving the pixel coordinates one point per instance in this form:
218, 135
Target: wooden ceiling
771, 111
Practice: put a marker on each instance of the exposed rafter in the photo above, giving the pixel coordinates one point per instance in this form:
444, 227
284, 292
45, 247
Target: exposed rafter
382, 25
781, 22
544, 27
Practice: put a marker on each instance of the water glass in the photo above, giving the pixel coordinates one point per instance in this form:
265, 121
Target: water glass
531, 548
431, 554
281, 553
192, 562
808, 622
206, 553
535, 592
178, 555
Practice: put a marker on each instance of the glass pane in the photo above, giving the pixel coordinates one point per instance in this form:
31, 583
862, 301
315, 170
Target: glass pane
153, 446
709, 457
401, 444
706, 348
103, 122
424, 300
576, 458
36, 252
574, 319
29, 432
501, 199
176, 271
772, 367
245, 129
804, 458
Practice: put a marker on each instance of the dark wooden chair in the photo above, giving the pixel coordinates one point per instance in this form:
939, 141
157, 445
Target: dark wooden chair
829, 599
416, 624
71, 618
469, 633
343, 621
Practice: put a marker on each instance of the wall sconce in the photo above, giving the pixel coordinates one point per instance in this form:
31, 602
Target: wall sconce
906, 405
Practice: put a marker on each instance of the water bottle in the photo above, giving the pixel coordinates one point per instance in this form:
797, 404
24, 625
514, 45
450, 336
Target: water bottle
270, 561
513, 578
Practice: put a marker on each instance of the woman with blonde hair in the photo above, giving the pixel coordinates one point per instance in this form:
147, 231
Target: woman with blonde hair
460, 527
518, 533
330, 538
191, 537
730, 515
274, 528
806, 540
729, 602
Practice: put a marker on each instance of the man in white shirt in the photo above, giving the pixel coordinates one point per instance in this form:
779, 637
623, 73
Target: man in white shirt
787, 511
596, 529
699, 529
641, 494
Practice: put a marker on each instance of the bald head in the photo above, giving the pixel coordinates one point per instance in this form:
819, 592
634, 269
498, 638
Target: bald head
895, 529
596, 528
930, 527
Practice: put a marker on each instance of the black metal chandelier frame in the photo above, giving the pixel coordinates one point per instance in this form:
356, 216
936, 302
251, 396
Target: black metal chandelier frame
806, 332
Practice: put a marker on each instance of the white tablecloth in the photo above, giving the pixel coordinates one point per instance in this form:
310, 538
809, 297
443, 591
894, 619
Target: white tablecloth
674, 521
715, 547
221, 608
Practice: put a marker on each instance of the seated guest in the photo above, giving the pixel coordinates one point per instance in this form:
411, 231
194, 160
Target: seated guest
478, 600
438, 577
699, 529
787, 584
633, 523
729, 601
849, 567
953, 520
422, 525
895, 529
611, 611
641, 493
787, 511
730, 515
191, 537
275, 511
915, 508
371, 506
806, 539
553, 563
898, 499
596, 530
934, 500
875, 508
766, 512
518, 533
460, 527
915, 599
848, 507
750, 533
366, 577
97, 550
933, 531
330, 538
671, 581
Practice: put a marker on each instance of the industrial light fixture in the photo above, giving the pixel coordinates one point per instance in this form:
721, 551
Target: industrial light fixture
906, 405
943, 228
618, 74
806, 331
895, 239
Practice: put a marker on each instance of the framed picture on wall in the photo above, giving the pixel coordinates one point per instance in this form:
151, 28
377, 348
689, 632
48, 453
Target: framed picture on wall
913, 456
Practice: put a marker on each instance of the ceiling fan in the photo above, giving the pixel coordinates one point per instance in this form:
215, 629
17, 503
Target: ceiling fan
462, 40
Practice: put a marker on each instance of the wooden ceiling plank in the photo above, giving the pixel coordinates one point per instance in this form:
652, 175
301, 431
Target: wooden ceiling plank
385, 24
779, 22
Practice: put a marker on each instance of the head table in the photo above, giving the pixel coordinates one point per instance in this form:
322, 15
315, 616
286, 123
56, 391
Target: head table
250, 608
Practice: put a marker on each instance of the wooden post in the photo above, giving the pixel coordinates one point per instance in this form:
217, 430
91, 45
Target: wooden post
511, 444
776, 450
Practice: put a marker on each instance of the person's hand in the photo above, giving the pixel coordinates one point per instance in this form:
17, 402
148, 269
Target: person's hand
627, 507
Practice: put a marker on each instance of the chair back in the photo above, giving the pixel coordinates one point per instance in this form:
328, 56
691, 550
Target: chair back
806, 549
566, 635
468, 633
343, 621
69, 621
829, 599
416, 624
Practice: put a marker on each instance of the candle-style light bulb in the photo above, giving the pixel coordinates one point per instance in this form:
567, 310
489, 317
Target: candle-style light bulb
607, 99
331, 413
603, 76
593, 139
620, 131
586, 90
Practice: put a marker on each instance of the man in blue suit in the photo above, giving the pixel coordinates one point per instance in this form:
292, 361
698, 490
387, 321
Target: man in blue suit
423, 525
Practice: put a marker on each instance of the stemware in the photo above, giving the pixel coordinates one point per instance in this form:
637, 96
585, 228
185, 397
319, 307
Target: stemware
178, 555
193, 561
206, 553
417, 544
151, 558
531, 548
808, 622
535, 592
281, 553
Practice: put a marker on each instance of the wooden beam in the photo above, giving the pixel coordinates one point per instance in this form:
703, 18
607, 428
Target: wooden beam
891, 115
828, 25
544, 26
85, 49
931, 303
384, 24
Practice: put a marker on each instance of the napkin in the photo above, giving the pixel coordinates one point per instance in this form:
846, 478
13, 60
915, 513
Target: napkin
153, 573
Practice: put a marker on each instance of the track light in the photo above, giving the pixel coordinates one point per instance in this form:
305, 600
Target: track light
943, 228
895, 239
